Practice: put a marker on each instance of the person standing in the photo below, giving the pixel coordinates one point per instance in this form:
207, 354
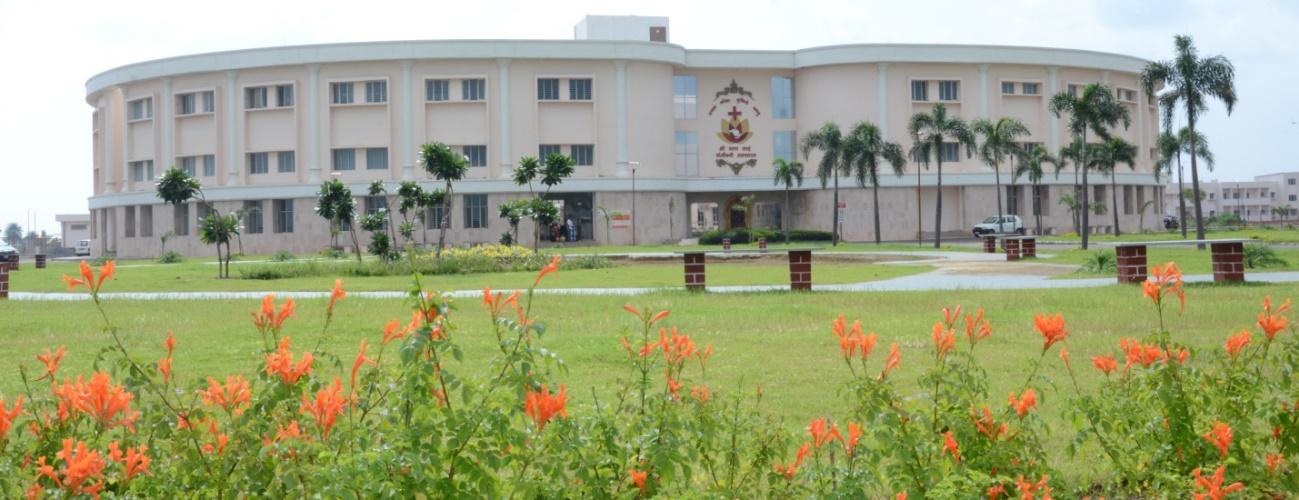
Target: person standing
572, 229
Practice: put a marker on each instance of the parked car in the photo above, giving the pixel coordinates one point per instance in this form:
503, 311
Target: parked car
1006, 224
83, 248
6, 251
1170, 222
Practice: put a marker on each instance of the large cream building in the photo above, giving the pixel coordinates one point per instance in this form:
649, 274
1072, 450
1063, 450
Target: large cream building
668, 140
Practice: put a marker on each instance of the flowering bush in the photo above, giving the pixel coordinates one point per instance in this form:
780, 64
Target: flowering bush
402, 418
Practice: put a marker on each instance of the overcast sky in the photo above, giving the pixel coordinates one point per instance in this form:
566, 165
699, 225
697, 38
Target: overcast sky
49, 48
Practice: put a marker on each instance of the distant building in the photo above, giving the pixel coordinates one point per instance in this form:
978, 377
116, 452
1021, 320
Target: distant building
1270, 197
73, 227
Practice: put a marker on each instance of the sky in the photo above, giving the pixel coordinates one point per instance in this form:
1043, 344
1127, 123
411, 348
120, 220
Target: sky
50, 48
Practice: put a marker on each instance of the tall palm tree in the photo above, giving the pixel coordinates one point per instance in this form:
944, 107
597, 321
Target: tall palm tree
1030, 165
787, 173
1170, 150
1105, 157
1066, 154
829, 141
1192, 81
998, 143
864, 150
447, 165
1094, 109
928, 131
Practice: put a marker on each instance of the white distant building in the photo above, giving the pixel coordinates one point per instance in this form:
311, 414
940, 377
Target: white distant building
629, 28
73, 227
1270, 197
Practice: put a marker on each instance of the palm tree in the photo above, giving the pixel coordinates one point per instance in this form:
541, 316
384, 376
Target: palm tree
864, 150
176, 187
1095, 109
1192, 81
1281, 212
1141, 214
334, 203
445, 164
1169, 149
1030, 165
1072, 152
829, 141
1105, 158
928, 131
787, 173
999, 142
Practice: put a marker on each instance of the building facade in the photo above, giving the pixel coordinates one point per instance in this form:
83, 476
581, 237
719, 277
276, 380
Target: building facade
1267, 198
73, 228
669, 142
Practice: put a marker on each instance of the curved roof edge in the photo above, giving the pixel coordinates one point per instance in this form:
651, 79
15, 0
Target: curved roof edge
608, 49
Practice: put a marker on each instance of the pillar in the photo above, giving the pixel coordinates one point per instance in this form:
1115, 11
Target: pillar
407, 126
989, 244
232, 129
313, 123
165, 124
1012, 248
1052, 88
503, 110
800, 269
1131, 263
694, 268
1228, 261
620, 83
1028, 247
4, 282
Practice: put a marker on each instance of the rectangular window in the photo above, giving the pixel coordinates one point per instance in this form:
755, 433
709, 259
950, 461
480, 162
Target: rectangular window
1127, 200
1072, 90
204, 210
253, 223
140, 109
579, 89
189, 165
949, 90
782, 97
1008, 88
186, 104
283, 216
1290, 181
687, 153
285, 162
685, 99
146, 221
1098, 194
920, 90
129, 226
376, 91
375, 204
209, 165
583, 154
474, 89
340, 93
951, 152
344, 159
142, 170
547, 89
1029, 88
475, 211
545, 150
284, 96
1293, 198
376, 158
782, 144
259, 163
180, 218
255, 97
1012, 200
433, 217
437, 90
477, 155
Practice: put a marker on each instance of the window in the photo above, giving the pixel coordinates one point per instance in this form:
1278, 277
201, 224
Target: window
782, 143
140, 109
1072, 89
433, 217
1290, 181
1211, 195
1029, 88
545, 150
949, 90
209, 165
259, 163
376, 158
283, 215
142, 170
253, 217
180, 217
437, 90
255, 97
477, 155
204, 210
186, 104
340, 93
285, 162
547, 89
284, 96
684, 97
1098, 194
579, 89
189, 165
475, 211
376, 91
1039, 200
920, 90
1126, 95
782, 97
146, 221
1127, 200
474, 89
1012, 200
1008, 88
129, 229
345, 159
375, 204
77, 227
687, 153
1292, 198
951, 152
583, 154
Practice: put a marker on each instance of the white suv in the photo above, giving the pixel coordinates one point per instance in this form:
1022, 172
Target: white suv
1005, 224
83, 248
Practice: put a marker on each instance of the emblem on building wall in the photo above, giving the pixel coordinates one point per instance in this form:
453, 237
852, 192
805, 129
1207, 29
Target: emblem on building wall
734, 106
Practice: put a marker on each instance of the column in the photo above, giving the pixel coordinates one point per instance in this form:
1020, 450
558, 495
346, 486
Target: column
107, 129
232, 129
407, 132
694, 271
883, 84
983, 90
313, 122
1143, 152
1228, 261
620, 82
800, 269
1052, 88
126, 143
166, 124
503, 107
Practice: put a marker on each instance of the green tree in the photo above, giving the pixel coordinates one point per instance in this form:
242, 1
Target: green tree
1030, 166
1169, 151
513, 212
550, 172
1105, 158
1071, 203
176, 187
1094, 109
410, 199
1281, 212
13, 234
1191, 81
787, 174
999, 142
446, 165
1141, 214
379, 224
829, 141
334, 203
928, 132
864, 149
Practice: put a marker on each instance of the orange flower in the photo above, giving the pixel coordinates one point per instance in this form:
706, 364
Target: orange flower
645, 318
673, 387
334, 296
977, 328
233, 397
677, 347
900, 496
700, 393
329, 404
1274, 460
1179, 356
1064, 356
1212, 486
1105, 364
703, 355
51, 361
1024, 403
542, 406
270, 320
7, 417
134, 461
638, 478
291, 431
950, 316
1236, 343
88, 278
854, 435
219, 440
81, 466
1051, 328
108, 404
164, 364
1138, 353
495, 302
791, 469
1220, 437
950, 447
1164, 280
183, 422
550, 268
944, 340
996, 491
892, 361
987, 426
361, 359
280, 363
821, 434
1027, 488
1271, 322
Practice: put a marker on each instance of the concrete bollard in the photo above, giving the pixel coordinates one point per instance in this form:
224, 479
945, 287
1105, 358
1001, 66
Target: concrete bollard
40, 261
762, 245
726, 244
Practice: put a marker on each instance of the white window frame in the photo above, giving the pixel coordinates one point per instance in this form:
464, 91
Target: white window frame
577, 160
575, 93
432, 87
280, 94
342, 93
280, 163
777, 110
259, 162
348, 155
546, 96
138, 110
942, 83
376, 91
473, 89
685, 106
911, 87
473, 152
256, 97
373, 153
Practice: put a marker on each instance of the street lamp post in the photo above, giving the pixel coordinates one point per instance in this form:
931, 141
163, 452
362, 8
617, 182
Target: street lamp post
633, 202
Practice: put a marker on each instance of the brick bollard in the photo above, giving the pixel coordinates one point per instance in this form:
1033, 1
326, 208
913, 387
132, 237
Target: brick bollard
14, 261
694, 271
1028, 248
1012, 248
989, 244
800, 270
762, 245
40, 261
1228, 261
726, 244
4, 282
1131, 263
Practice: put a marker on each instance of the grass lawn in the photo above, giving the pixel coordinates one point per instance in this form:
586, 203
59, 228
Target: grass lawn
200, 275
1263, 235
820, 246
1188, 259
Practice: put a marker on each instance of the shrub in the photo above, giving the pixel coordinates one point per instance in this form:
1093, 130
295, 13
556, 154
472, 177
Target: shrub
473, 260
170, 257
283, 256
1101, 261
1257, 256
333, 253
742, 236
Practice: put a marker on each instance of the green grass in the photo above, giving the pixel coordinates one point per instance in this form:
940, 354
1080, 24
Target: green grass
820, 246
1265, 235
1188, 259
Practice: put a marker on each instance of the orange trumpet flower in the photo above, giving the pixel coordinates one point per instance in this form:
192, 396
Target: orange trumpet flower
51, 361
944, 340
1236, 343
134, 461
1272, 322
81, 466
336, 294
892, 361
326, 408
1051, 328
542, 406
108, 404
164, 364
1220, 437
268, 319
821, 434
792, 468
88, 279
233, 397
1024, 403
977, 328
280, 363
7, 417
950, 447
638, 478
1165, 280
1106, 364
361, 359
1212, 486
550, 268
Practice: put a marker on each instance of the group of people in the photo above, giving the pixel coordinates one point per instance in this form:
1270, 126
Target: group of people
565, 232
